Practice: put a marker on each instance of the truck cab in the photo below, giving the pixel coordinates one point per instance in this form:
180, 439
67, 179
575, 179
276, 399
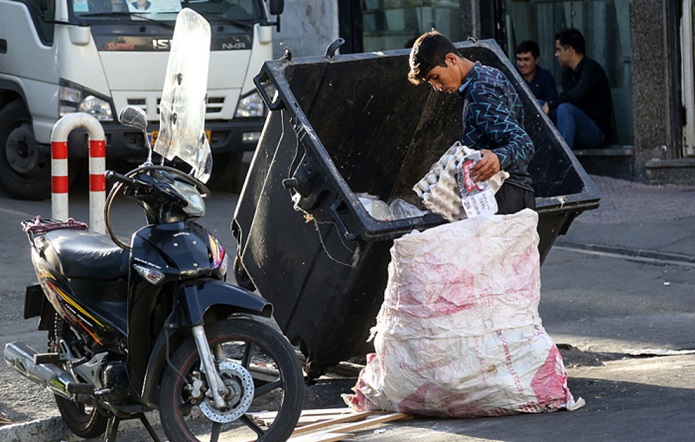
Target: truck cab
98, 56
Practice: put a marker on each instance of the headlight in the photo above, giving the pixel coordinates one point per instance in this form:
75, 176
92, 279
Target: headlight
70, 94
250, 106
196, 205
153, 276
74, 99
96, 107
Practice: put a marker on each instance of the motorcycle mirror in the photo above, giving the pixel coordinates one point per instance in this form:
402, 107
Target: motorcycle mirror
133, 116
275, 7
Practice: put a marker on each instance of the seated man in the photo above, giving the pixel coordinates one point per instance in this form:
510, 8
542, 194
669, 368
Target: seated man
582, 112
539, 80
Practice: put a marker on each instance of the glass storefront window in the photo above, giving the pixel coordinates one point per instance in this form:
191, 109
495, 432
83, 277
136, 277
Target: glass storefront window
605, 25
394, 24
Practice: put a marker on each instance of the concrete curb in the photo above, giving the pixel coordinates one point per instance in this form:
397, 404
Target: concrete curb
652, 255
53, 429
50, 429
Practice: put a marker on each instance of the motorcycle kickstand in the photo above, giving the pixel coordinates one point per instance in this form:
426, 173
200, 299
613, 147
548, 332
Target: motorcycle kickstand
112, 428
148, 427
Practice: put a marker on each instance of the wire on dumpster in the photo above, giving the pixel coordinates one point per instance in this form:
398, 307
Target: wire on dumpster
308, 216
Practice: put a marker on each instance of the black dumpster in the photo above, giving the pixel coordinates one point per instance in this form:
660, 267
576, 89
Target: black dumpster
350, 124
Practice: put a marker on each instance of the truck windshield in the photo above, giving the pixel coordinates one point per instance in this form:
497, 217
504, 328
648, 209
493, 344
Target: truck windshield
234, 11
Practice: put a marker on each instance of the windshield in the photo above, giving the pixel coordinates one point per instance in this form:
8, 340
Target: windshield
182, 113
94, 11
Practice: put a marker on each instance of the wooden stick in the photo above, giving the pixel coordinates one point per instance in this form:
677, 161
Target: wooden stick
322, 437
372, 421
339, 420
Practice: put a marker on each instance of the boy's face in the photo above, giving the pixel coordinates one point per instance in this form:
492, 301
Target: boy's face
526, 63
446, 78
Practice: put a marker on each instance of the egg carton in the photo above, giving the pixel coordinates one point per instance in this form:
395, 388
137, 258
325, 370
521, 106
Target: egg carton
440, 190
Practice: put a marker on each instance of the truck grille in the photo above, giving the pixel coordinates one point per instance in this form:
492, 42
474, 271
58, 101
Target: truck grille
214, 104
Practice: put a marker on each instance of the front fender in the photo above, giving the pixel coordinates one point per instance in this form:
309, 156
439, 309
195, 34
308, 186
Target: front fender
194, 301
196, 298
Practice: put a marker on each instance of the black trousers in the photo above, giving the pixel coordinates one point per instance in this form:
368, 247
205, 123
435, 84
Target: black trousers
512, 199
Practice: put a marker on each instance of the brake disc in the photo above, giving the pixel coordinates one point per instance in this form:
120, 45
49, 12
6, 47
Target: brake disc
237, 379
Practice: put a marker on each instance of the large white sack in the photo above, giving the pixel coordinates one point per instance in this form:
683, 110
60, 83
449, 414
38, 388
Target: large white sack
459, 334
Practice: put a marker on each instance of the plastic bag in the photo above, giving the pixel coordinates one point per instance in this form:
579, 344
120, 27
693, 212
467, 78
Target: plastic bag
376, 208
401, 209
397, 209
459, 334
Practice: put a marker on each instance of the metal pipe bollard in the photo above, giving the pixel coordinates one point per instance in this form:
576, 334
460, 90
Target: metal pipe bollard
97, 167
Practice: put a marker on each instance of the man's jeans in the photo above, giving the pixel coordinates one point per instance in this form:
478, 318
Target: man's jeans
578, 130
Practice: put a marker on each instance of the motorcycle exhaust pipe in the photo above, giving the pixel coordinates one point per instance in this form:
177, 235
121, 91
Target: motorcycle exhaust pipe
58, 381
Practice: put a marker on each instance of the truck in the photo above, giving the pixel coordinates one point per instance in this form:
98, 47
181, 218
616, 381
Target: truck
98, 56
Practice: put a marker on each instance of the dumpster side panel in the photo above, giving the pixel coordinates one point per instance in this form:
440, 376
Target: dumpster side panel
298, 258
339, 304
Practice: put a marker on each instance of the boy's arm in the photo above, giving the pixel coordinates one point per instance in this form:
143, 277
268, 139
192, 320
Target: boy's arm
490, 113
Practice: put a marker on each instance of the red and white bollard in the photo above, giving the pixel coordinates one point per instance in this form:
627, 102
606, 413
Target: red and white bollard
97, 167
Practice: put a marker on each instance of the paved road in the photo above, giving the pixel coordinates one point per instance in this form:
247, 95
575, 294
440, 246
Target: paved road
625, 321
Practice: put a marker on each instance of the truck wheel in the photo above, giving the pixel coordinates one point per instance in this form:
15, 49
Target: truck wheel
25, 172
228, 172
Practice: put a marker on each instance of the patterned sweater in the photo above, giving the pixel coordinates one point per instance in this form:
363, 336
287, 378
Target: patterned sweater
493, 118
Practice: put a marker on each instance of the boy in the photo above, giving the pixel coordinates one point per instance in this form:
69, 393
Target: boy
539, 80
492, 115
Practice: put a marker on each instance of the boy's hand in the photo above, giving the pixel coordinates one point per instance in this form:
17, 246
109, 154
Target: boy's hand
546, 108
488, 165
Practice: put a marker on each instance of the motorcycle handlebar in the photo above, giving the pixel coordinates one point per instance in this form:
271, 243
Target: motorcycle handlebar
129, 182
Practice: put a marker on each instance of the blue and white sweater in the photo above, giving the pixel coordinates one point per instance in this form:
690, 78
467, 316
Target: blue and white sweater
493, 118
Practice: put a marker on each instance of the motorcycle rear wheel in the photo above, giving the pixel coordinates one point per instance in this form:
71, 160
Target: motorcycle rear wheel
82, 420
264, 354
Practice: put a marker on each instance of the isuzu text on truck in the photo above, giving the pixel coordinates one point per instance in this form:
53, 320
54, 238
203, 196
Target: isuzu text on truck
98, 56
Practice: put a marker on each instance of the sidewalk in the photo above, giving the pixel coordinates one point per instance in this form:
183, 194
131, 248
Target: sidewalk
639, 220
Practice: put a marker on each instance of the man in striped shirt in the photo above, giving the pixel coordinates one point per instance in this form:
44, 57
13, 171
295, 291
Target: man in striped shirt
492, 115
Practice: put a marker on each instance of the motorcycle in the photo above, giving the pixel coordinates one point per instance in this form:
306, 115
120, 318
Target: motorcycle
151, 324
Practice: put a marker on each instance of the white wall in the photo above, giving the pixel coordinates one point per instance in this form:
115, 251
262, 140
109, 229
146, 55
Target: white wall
307, 27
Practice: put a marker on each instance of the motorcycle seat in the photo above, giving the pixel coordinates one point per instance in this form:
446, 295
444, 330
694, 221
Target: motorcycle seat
85, 254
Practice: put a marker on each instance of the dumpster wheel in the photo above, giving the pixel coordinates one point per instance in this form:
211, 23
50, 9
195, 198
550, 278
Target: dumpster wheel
243, 279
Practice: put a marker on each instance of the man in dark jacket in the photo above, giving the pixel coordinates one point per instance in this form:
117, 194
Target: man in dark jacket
492, 115
582, 112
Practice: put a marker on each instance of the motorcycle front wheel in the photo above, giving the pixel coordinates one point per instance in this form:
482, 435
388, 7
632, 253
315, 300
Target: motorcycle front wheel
260, 371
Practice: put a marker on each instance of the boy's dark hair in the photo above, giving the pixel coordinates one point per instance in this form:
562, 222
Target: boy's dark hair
573, 38
529, 46
430, 50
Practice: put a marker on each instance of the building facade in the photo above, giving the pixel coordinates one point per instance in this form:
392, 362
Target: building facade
645, 47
